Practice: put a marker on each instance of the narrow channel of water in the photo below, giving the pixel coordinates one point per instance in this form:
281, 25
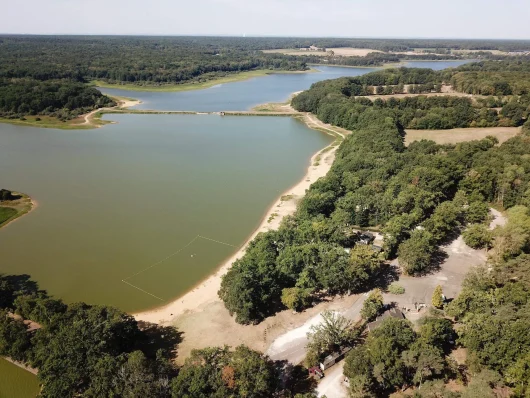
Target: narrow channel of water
241, 96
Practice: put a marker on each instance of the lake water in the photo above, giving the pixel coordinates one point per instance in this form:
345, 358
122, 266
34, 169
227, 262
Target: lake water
243, 95
115, 201
16, 382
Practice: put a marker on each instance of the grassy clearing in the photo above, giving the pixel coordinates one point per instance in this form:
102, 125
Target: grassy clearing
48, 122
272, 217
286, 198
342, 51
454, 136
7, 213
196, 85
10, 210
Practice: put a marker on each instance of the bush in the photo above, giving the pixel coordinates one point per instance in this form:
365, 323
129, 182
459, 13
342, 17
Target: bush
477, 236
394, 288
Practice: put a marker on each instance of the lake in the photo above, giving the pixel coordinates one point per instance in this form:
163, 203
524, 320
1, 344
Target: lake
114, 203
243, 95
16, 382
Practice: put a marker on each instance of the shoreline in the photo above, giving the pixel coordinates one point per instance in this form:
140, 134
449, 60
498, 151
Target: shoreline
22, 366
173, 88
204, 293
33, 205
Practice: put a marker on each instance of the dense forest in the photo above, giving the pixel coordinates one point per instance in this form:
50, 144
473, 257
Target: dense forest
43, 74
153, 60
60, 98
494, 77
341, 101
375, 181
175, 60
100, 351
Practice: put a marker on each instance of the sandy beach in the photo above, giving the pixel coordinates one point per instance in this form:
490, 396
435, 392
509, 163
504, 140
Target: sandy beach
205, 293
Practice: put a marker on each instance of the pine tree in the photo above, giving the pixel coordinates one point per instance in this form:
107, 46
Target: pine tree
437, 300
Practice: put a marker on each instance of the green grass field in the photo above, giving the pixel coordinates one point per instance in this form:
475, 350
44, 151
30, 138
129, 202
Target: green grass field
6, 213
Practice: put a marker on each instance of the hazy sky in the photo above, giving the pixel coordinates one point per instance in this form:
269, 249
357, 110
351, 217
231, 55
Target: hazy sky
350, 18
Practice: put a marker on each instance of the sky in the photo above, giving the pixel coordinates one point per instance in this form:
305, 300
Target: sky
309, 18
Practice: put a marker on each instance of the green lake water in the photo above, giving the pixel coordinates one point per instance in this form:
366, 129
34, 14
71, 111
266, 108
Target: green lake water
16, 382
117, 200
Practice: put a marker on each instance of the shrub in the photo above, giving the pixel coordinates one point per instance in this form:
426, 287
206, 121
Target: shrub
394, 288
477, 236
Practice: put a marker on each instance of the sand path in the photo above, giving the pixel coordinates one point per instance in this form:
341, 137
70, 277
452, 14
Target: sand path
123, 103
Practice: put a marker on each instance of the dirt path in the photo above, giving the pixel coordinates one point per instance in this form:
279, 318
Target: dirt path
123, 103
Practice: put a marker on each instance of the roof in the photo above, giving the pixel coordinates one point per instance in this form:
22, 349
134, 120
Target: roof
333, 356
391, 313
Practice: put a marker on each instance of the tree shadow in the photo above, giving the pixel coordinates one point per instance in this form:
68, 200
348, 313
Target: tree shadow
451, 237
438, 258
12, 286
156, 337
384, 278
294, 379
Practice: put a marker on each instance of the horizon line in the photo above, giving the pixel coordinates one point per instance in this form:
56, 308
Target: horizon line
246, 36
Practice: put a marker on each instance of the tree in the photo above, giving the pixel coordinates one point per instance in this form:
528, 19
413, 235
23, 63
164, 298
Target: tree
296, 298
416, 254
14, 338
518, 375
364, 265
134, 378
477, 212
436, 331
443, 221
332, 333
423, 361
437, 299
219, 372
373, 305
360, 387
481, 386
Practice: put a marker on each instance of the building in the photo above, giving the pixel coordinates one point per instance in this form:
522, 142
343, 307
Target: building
391, 313
333, 358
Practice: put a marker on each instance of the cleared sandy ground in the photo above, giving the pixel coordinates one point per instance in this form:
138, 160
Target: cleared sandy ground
454, 136
342, 51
